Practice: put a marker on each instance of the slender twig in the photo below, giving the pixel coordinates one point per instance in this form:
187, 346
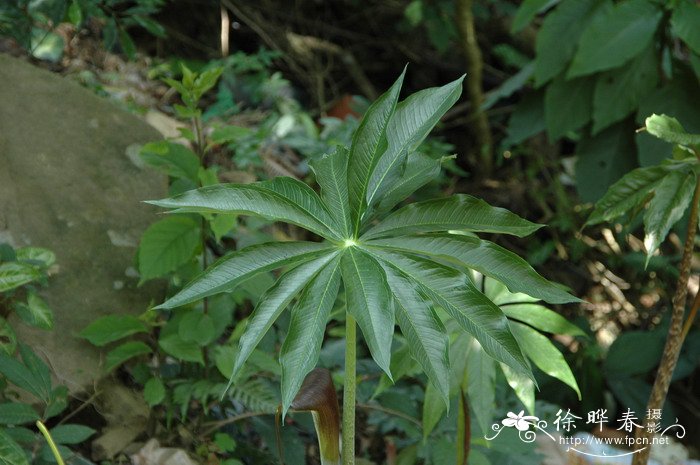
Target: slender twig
674, 339
89, 401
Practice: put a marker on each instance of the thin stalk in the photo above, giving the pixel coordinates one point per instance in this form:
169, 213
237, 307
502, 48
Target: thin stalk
349, 391
674, 339
52, 445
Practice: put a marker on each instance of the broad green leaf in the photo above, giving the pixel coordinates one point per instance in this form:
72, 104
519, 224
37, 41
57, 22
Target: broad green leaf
71, 434
124, 352
523, 387
166, 245
541, 318
671, 198
15, 274
309, 316
279, 199
455, 293
433, 409
568, 19
627, 193
229, 271
19, 375
187, 351
684, 23
614, 38
197, 327
420, 170
458, 212
481, 384
369, 301
485, 257
17, 413
368, 144
527, 119
271, 305
619, 91
10, 452
222, 224
567, 105
423, 330
670, 129
603, 159
39, 370
174, 159
527, 10
111, 328
8, 337
544, 354
634, 353
35, 312
36, 255
332, 175
154, 391
413, 120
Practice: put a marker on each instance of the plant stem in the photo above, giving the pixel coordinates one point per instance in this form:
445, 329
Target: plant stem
52, 445
349, 391
674, 339
472, 53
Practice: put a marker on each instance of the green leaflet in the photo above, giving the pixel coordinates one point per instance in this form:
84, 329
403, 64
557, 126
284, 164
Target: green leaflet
541, 318
280, 199
272, 303
544, 354
414, 118
632, 190
459, 212
485, 257
455, 293
302, 345
481, 384
619, 91
331, 174
567, 105
670, 130
614, 38
10, 452
369, 301
527, 10
229, 271
166, 245
684, 23
424, 332
671, 198
420, 170
568, 19
174, 159
368, 143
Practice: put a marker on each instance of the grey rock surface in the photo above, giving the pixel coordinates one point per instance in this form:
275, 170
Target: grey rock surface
67, 184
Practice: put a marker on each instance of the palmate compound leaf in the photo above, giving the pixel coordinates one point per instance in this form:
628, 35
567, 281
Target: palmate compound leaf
671, 198
458, 212
413, 120
424, 332
369, 302
368, 144
485, 257
456, 294
309, 316
273, 302
279, 199
229, 271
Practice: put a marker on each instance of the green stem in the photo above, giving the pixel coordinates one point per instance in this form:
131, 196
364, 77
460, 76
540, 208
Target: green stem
52, 445
349, 392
